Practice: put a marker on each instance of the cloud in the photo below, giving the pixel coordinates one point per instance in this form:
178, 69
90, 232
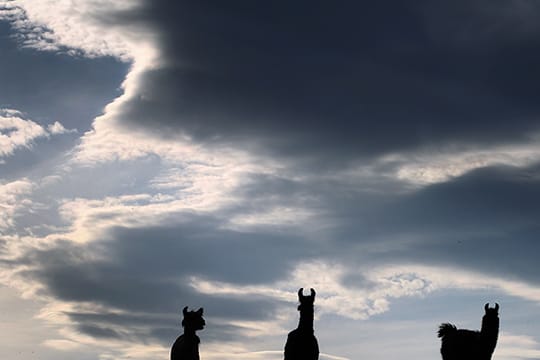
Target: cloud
17, 132
57, 128
384, 284
13, 198
67, 26
436, 165
361, 101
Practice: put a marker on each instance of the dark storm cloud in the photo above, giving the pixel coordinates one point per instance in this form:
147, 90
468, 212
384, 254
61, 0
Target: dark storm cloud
354, 78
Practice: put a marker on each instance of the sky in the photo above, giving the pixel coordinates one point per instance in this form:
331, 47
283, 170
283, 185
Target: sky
158, 154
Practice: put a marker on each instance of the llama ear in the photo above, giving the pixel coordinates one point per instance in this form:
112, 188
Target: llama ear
200, 312
184, 311
300, 293
496, 307
486, 307
312, 293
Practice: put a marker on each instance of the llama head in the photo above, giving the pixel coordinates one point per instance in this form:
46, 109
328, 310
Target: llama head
193, 319
491, 312
306, 300
490, 321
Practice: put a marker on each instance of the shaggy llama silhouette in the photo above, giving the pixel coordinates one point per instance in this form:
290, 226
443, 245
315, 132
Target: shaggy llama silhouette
461, 344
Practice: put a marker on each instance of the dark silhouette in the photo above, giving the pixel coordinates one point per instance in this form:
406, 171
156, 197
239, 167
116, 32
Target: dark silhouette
460, 344
301, 342
186, 347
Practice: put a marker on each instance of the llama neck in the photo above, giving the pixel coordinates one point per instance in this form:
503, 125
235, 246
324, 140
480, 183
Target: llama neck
306, 318
490, 331
189, 332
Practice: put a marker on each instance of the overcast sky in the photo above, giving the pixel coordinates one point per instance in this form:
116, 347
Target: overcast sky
222, 154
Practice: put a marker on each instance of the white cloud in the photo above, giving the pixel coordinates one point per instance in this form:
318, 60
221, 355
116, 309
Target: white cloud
440, 165
190, 179
385, 283
17, 132
64, 25
356, 303
13, 198
61, 344
58, 129
288, 216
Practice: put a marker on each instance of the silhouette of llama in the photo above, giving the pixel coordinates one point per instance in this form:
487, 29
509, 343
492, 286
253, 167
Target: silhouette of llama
460, 344
186, 347
301, 342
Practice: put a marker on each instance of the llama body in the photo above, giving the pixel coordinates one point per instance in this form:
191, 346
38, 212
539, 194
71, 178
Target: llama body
301, 342
461, 344
186, 346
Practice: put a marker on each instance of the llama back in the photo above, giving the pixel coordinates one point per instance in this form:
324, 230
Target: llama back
450, 333
185, 348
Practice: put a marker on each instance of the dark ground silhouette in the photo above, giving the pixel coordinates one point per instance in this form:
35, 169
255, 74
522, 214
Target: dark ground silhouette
186, 346
461, 344
301, 342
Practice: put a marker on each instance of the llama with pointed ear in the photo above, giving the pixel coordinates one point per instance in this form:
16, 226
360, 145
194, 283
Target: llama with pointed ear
460, 344
301, 342
186, 347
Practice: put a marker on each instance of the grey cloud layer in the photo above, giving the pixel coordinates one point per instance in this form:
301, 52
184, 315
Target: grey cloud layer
484, 221
152, 277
